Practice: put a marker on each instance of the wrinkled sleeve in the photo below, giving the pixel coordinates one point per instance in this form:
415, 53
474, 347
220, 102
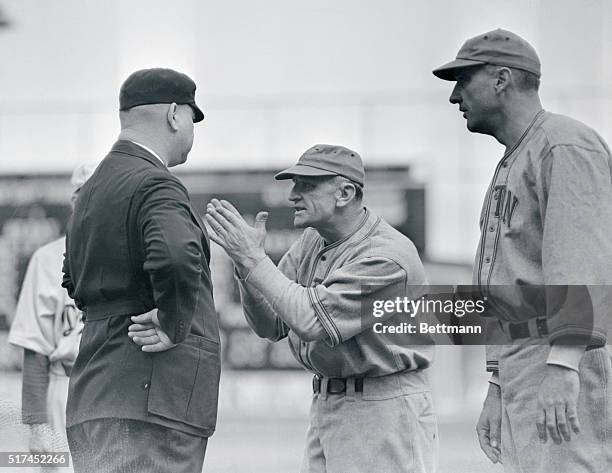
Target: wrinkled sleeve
172, 252
576, 193
32, 327
35, 385
336, 303
258, 310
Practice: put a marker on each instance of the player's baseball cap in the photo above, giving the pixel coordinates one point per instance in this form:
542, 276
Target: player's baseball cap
151, 86
499, 48
327, 160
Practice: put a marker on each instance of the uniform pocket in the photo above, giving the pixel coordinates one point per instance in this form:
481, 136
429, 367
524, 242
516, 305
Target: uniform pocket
185, 383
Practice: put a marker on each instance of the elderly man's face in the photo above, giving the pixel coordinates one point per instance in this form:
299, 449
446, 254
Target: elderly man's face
475, 94
314, 200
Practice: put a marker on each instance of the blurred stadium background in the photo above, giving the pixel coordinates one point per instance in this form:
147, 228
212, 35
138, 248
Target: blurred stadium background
275, 77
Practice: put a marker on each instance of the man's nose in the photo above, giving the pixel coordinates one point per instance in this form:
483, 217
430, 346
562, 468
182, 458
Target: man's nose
455, 96
293, 195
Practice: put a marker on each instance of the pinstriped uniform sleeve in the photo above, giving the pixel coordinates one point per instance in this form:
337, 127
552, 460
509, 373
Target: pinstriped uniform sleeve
258, 310
340, 301
576, 193
335, 305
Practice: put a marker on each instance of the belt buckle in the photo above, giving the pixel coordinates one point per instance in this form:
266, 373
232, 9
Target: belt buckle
316, 384
518, 331
336, 386
542, 326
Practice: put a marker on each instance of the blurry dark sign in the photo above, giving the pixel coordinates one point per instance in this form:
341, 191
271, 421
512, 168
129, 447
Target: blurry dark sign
34, 211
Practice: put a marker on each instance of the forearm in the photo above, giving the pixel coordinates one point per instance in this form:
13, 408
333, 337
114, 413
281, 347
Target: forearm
34, 387
279, 297
259, 313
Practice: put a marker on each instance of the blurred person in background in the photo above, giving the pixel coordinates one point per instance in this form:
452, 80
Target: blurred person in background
371, 409
48, 326
545, 222
136, 245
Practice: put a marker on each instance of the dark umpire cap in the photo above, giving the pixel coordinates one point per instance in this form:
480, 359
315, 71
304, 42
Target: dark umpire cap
151, 86
327, 160
499, 48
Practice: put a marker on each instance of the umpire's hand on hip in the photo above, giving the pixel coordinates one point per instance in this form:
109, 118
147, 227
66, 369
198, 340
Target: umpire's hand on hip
148, 334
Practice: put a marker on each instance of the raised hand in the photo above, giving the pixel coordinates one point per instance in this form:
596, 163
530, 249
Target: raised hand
243, 243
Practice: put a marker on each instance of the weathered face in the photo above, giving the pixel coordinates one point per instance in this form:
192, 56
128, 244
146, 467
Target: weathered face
314, 200
475, 94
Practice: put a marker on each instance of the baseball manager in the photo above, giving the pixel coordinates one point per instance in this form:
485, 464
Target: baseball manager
371, 409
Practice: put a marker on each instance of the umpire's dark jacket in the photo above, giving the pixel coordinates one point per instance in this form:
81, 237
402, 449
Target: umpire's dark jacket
135, 243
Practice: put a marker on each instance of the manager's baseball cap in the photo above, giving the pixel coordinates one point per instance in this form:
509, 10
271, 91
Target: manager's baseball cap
158, 85
499, 48
327, 160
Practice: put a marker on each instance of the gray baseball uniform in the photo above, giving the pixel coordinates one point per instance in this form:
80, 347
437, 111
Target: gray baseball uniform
382, 420
546, 220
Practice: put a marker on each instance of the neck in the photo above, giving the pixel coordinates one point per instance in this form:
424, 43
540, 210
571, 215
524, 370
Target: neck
343, 226
516, 118
146, 139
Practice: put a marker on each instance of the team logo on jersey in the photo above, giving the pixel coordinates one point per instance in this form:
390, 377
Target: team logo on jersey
506, 204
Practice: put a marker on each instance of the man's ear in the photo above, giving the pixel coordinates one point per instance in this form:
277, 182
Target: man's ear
345, 194
171, 116
503, 76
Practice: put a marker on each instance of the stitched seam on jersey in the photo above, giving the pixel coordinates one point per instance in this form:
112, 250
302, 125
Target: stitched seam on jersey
491, 188
348, 237
497, 234
567, 145
329, 268
323, 317
579, 329
521, 140
323, 311
368, 233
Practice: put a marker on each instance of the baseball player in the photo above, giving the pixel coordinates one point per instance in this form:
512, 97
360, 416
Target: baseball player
545, 221
371, 410
48, 326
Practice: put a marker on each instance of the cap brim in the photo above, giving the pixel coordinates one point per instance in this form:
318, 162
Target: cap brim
302, 170
199, 115
449, 71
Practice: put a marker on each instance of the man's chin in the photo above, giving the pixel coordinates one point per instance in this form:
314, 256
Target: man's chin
299, 223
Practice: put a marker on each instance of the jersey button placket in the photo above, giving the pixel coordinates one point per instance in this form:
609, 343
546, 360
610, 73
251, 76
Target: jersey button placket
490, 235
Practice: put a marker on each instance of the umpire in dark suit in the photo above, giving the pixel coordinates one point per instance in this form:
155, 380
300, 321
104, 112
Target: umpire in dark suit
135, 244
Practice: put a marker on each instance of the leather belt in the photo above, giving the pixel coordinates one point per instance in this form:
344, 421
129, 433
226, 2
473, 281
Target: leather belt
532, 328
336, 385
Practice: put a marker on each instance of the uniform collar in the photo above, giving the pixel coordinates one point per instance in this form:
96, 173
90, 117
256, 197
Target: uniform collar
365, 227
